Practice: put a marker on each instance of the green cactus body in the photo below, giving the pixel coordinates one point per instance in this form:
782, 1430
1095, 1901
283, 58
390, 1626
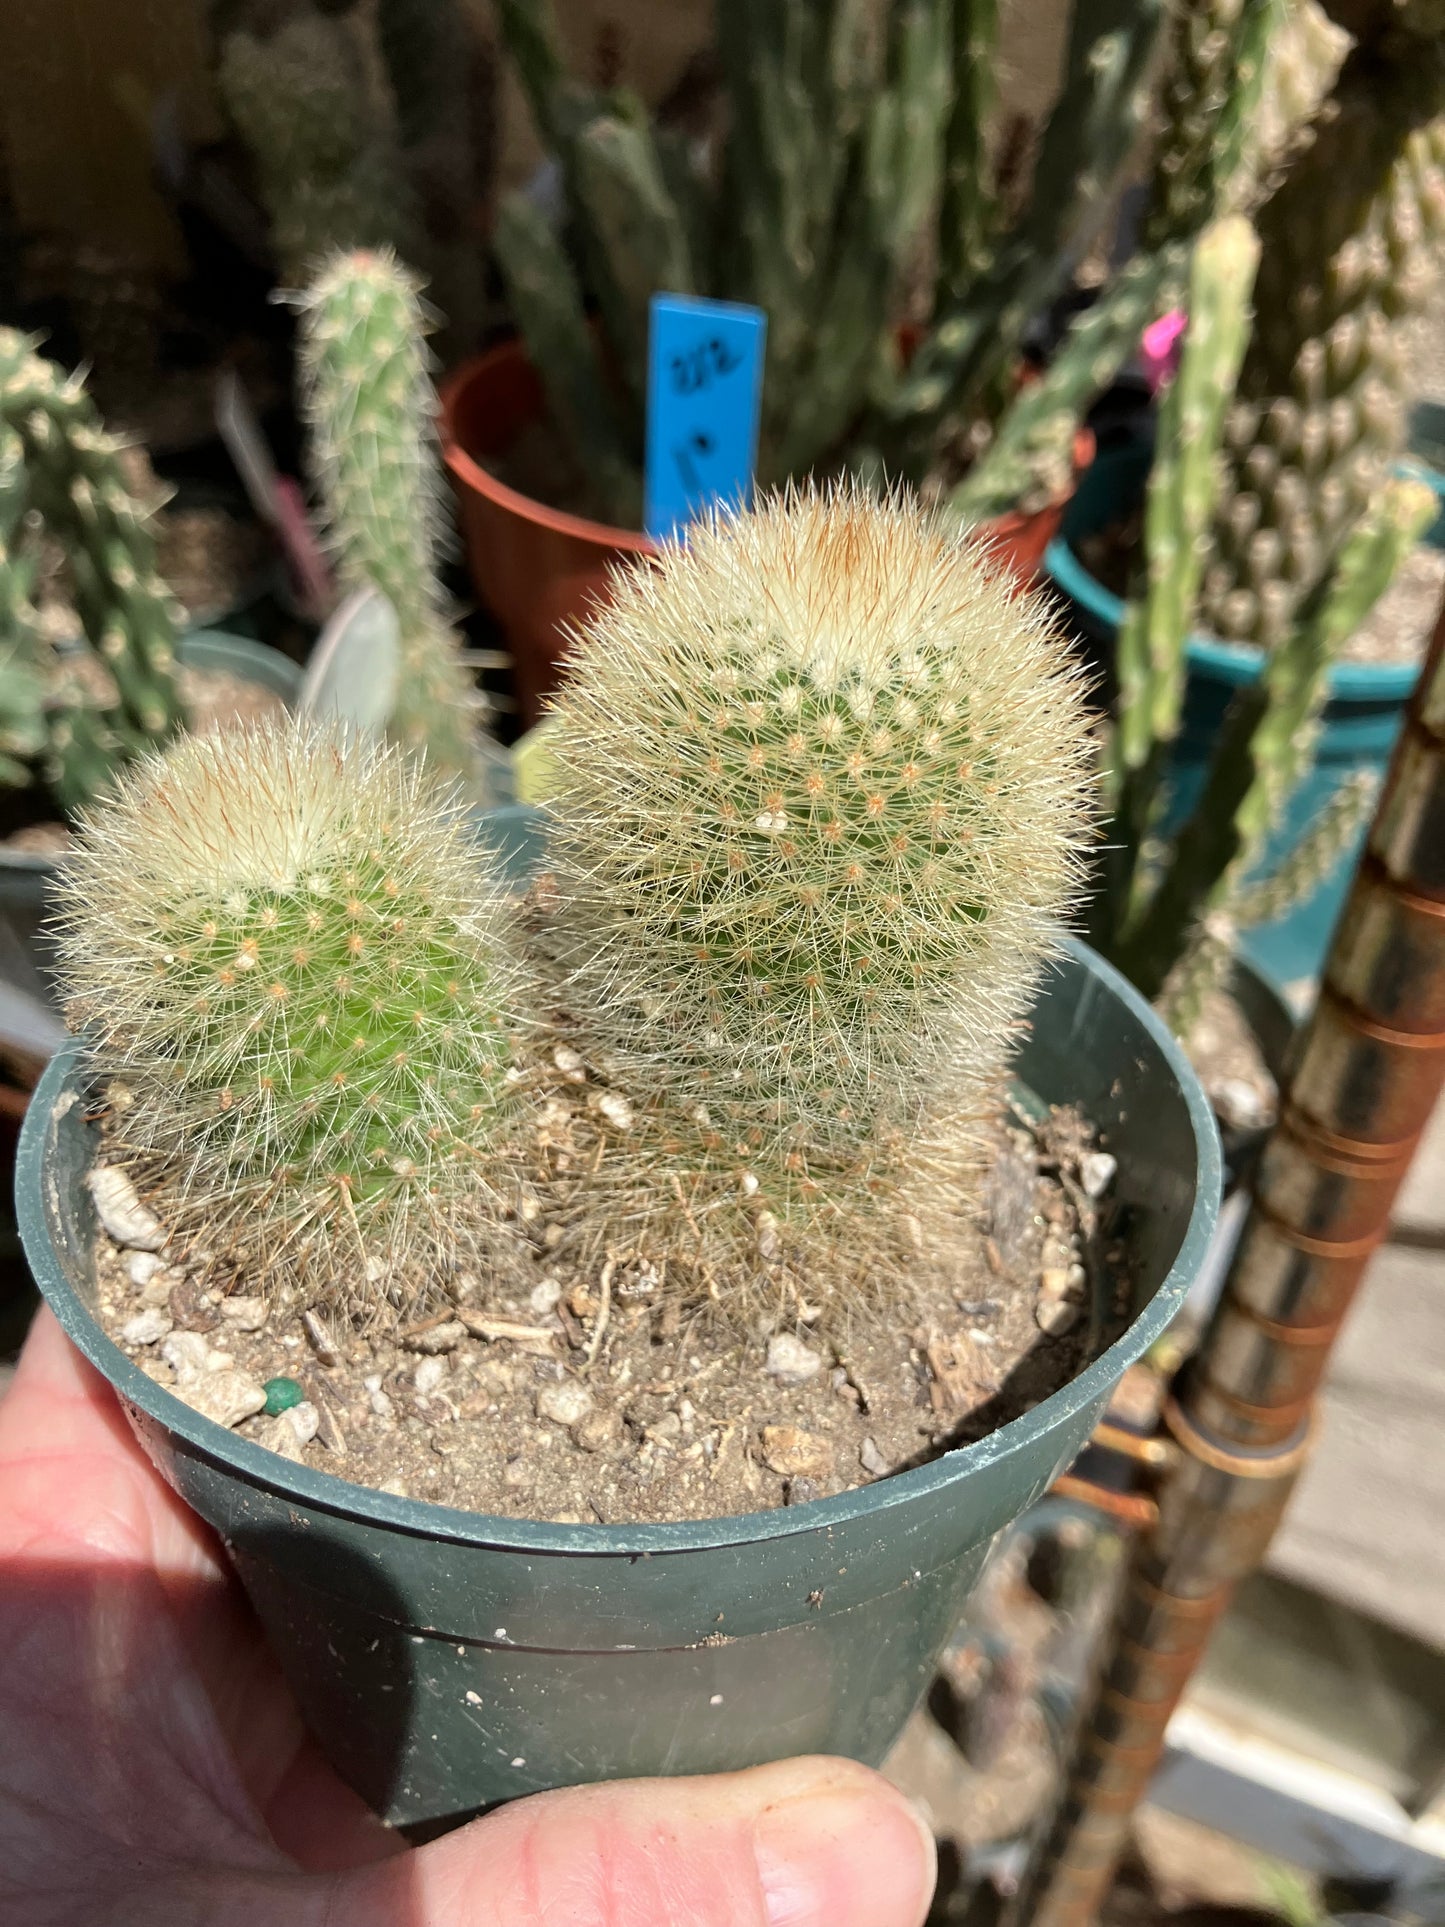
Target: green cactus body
1350, 245
1214, 82
320, 136
286, 945
71, 475
372, 409
23, 653
821, 793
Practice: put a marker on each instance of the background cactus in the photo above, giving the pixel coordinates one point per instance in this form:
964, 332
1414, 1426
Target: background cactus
287, 945
1352, 239
1167, 908
57, 460
371, 408
312, 110
847, 140
821, 794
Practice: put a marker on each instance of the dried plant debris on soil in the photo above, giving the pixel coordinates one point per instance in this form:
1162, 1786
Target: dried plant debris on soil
596, 1400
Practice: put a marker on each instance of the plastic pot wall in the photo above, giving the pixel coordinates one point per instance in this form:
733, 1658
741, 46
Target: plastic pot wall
1360, 723
25, 954
539, 568
447, 1660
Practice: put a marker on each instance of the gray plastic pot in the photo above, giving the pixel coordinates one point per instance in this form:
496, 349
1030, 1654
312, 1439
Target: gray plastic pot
446, 1660
25, 958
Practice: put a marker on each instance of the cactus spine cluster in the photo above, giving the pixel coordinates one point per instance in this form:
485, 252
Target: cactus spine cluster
821, 794
371, 408
57, 460
843, 145
285, 943
1351, 241
1161, 914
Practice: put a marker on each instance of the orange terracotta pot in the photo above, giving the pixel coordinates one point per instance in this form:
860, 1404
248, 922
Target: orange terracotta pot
539, 568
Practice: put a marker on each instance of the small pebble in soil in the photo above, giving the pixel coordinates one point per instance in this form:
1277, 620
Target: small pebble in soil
1096, 1172
128, 1221
796, 1454
187, 1354
192, 1308
1056, 1316
281, 1395
600, 1431
543, 1298
800, 1491
428, 1375
247, 1314
790, 1361
226, 1396
567, 1403
871, 1459
142, 1266
148, 1327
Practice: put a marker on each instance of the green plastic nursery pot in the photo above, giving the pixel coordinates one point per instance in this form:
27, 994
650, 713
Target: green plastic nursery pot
446, 1660
1362, 716
25, 878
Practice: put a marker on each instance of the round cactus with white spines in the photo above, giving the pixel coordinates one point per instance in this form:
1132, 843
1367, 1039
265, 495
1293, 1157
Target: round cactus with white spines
287, 947
823, 792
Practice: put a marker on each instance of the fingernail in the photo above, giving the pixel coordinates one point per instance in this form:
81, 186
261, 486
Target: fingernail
844, 1859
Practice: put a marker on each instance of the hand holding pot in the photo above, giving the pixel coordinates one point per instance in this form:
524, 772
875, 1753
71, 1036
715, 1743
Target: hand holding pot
154, 1771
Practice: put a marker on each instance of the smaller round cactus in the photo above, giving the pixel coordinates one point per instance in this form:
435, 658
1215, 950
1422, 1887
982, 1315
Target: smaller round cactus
286, 947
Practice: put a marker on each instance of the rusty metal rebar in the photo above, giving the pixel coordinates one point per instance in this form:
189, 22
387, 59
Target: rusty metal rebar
1364, 1077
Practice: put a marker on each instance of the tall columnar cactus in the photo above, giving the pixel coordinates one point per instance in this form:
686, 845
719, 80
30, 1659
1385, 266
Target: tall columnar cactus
1351, 243
847, 135
286, 944
1160, 906
319, 130
371, 408
822, 794
1210, 100
57, 460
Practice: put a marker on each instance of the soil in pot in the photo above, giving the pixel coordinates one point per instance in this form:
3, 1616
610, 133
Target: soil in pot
589, 1400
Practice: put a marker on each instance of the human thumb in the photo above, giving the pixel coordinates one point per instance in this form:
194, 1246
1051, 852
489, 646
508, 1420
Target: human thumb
807, 1843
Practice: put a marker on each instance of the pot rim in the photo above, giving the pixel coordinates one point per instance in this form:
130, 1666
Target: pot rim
327, 1492
469, 471
1236, 664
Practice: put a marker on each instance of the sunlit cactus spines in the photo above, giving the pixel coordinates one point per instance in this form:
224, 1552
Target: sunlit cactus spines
822, 796
372, 412
287, 948
57, 460
1352, 239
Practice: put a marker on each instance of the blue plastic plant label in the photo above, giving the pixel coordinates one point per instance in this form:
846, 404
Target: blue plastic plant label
704, 387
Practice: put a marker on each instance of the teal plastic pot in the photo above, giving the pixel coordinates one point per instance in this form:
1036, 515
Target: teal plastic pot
1361, 719
25, 955
446, 1660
